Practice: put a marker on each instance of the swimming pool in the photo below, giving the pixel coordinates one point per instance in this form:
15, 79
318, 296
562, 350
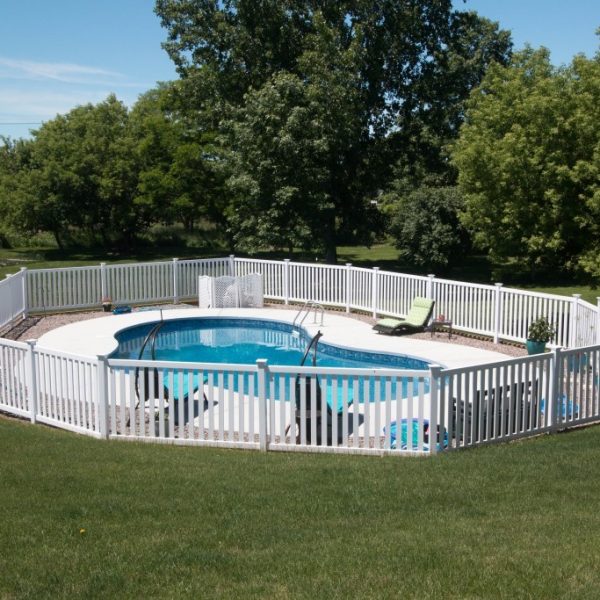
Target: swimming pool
207, 340
244, 341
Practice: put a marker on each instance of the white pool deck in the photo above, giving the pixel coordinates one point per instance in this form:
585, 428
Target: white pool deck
97, 336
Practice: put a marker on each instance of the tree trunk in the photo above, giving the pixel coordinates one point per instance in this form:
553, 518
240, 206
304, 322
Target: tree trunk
58, 239
329, 240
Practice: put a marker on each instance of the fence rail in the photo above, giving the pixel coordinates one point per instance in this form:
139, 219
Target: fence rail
297, 408
367, 411
493, 310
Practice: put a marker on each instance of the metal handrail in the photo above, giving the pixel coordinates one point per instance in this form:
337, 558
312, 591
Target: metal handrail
307, 306
314, 342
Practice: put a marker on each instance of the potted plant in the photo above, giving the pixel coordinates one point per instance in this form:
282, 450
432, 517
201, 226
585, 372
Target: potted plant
106, 304
541, 331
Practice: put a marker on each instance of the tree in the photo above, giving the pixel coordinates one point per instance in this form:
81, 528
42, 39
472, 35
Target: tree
527, 160
368, 71
432, 118
426, 227
585, 173
14, 159
80, 175
288, 142
179, 179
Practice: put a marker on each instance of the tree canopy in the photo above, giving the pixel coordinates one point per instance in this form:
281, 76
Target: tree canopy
109, 173
291, 120
354, 85
528, 162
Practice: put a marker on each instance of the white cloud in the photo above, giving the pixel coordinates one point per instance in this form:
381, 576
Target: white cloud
63, 72
40, 105
34, 91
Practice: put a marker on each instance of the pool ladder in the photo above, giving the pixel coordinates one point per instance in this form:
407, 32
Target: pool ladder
305, 310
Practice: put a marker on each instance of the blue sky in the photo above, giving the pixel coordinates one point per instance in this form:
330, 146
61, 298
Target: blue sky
57, 54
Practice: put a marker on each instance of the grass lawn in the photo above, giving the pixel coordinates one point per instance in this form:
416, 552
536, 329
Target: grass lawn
86, 518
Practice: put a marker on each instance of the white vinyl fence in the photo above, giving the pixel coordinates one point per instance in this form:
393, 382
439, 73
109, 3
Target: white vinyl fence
367, 411
13, 296
303, 408
262, 407
492, 310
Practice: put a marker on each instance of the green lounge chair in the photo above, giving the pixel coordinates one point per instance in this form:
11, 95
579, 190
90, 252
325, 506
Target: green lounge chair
416, 320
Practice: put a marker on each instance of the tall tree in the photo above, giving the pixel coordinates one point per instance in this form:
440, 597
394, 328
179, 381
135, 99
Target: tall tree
15, 156
79, 174
179, 178
369, 71
527, 160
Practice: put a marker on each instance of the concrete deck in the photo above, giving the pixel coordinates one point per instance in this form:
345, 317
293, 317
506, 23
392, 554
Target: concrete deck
96, 336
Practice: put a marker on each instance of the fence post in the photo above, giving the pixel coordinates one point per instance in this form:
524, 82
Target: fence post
175, 283
498, 310
232, 265
103, 287
102, 406
574, 324
555, 378
375, 291
262, 367
597, 319
348, 285
286, 281
24, 292
429, 289
434, 421
31, 380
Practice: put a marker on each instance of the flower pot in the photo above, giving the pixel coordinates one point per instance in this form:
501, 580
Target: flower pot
107, 306
535, 347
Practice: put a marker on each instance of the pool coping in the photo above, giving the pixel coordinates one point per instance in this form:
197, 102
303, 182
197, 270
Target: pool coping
95, 337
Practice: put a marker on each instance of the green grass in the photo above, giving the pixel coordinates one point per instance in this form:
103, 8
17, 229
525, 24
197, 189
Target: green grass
588, 293
519, 520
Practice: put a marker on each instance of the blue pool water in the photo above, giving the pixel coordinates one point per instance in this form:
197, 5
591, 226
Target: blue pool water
243, 341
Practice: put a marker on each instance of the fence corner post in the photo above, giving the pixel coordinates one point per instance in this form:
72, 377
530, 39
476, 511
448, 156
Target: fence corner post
375, 292
31, 380
498, 309
554, 393
102, 395
286, 281
103, 286
429, 289
434, 421
25, 292
232, 265
262, 367
574, 324
175, 281
348, 291
597, 319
